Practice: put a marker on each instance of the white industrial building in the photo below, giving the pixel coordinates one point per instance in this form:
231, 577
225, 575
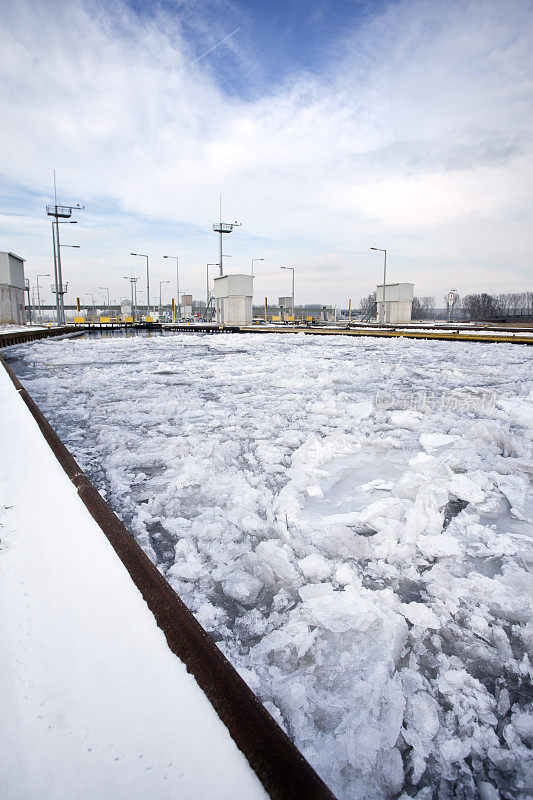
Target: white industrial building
12, 308
233, 299
186, 306
398, 302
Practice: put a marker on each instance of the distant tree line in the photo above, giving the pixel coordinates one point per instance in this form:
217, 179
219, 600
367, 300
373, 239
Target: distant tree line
491, 306
471, 307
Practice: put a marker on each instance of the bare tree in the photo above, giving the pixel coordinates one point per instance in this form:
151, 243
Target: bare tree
482, 306
423, 307
366, 304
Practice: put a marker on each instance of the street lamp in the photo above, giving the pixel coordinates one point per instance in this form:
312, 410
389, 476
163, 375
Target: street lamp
43, 275
108, 303
133, 282
160, 285
381, 250
177, 284
142, 255
207, 286
292, 287
255, 259
91, 295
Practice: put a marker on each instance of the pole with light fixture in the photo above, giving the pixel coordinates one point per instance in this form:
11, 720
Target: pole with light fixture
160, 285
142, 255
42, 275
177, 284
108, 303
255, 259
381, 250
292, 268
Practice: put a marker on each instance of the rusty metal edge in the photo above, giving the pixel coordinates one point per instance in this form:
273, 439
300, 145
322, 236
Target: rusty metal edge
279, 765
23, 337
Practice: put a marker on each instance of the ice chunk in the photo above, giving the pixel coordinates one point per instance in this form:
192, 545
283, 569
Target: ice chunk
515, 489
420, 615
341, 611
311, 590
377, 514
377, 484
439, 546
315, 567
343, 574
421, 726
390, 765
406, 419
276, 556
465, 489
243, 587
431, 441
487, 791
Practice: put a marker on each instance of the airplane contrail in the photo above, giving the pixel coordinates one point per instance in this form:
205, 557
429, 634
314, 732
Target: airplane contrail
215, 46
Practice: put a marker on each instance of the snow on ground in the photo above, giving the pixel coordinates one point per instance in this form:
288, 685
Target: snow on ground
351, 521
6, 327
94, 706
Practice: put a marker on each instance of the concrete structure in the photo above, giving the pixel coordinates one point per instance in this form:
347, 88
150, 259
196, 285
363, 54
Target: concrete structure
398, 302
186, 306
286, 309
233, 299
126, 311
12, 286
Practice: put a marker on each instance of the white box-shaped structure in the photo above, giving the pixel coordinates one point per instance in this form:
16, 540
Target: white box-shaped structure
12, 289
233, 299
398, 302
185, 306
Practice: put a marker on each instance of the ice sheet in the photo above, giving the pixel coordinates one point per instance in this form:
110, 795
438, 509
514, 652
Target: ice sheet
350, 520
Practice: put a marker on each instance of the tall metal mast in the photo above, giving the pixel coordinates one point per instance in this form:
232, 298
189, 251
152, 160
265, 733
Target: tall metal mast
59, 213
221, 228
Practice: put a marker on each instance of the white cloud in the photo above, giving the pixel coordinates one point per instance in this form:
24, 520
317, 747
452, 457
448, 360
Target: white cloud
418, 138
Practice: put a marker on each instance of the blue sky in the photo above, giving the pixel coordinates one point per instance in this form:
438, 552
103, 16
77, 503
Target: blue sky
328, 127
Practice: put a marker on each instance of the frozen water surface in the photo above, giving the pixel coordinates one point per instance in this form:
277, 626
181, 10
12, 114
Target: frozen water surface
351, 519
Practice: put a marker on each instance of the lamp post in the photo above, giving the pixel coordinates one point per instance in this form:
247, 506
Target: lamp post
133, 282
177, 284
91, 295
160, 285
255, 259
381, 250
108, 303
43, 275
292, 287
142, 255
207, 287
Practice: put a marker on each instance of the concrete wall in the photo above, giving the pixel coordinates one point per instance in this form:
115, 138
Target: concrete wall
234, 285
233, 299
235, 310
398, 302
12, 270
12, 289
12, 305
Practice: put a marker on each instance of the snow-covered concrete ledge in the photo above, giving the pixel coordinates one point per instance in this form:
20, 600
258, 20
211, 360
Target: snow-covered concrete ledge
94, 703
